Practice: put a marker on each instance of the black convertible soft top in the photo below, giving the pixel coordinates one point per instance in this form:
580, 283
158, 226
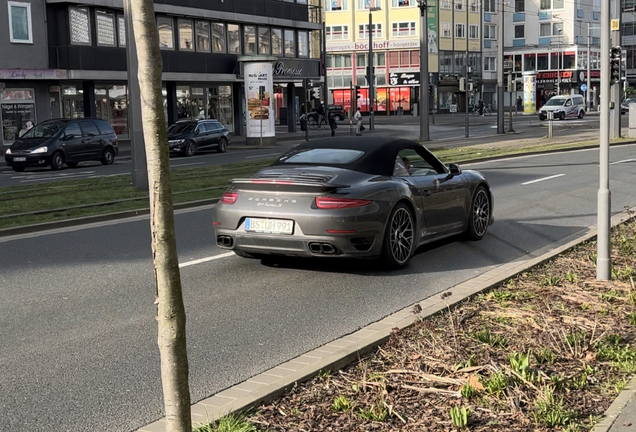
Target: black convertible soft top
378, 158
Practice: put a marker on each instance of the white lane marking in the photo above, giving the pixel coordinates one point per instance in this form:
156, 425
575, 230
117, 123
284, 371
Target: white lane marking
542, 179
202, 260
193, 163
623, 161
260, 156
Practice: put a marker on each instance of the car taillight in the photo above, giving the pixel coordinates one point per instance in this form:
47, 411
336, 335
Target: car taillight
325, 203
229, 197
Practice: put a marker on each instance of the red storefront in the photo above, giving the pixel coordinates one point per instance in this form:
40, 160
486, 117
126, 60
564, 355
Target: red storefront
392, 97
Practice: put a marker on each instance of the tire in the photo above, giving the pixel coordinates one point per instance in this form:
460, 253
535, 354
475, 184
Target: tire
222, 148
399, 238
190, 149
18, 169
337, 118
108, 157
581, 114
562, 116
243, 254
71, 164
57, 161
479, 216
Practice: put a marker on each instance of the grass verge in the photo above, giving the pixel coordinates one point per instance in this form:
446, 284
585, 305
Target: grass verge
549, 349
33, 204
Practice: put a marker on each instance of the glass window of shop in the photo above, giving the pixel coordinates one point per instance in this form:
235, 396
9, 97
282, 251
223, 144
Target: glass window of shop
220, 105
218, 38
17, 113
111, 103
529, 62
121, 29
203, 36
166, 36
277, 41
290, 44
186, 37
249, 41
303, 44
233, 39
73, 101
264, 41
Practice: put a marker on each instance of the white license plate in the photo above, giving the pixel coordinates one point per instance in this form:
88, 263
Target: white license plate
270, 226
19, 159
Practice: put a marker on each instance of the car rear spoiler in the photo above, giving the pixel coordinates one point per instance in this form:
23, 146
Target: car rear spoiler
284, 185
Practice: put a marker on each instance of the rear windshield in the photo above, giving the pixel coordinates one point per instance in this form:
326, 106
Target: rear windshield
43, 130
321, 156
181, 128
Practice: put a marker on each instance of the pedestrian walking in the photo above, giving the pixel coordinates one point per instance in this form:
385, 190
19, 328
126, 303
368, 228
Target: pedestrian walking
480, 106
519, 103
358, 118
332, 124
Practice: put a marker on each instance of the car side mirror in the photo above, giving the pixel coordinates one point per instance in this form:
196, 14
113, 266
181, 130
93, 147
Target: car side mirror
197, 131
454, 169
68, 137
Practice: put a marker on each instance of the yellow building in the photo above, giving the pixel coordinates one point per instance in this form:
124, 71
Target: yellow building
395, 35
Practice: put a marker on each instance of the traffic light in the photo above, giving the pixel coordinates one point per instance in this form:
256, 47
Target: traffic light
615, 64
358, 92
509, 84
469, 72
431, 90
462, 84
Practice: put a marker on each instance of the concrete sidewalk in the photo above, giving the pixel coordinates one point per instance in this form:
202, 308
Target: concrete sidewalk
621, 415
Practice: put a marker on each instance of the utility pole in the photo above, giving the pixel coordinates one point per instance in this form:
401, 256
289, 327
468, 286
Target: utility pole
559, 62
370, 69
603, 260
589, 60
324, 54
466, 122
424, 133
615, 93
500, 74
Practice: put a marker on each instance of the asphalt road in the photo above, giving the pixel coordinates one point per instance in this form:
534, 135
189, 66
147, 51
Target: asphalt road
77, 325
448, 131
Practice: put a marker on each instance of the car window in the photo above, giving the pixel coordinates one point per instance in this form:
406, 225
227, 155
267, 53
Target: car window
43, 130
410, 163
89, 128
200, 128
321, 156
73, 129
104, 128
179, 128
215, 126
568, 103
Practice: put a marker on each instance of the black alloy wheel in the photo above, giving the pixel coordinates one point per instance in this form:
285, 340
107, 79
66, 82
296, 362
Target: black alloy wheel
190, 149
399, 238
108, 157
57, 161
222, 148
479, 216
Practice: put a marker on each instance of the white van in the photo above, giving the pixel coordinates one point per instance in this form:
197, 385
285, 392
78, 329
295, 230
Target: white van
563, 106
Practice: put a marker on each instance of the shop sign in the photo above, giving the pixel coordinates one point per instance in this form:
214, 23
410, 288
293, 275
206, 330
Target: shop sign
552, 77
377, 45
259, 88
404, 78
281, 69
11, 95
595, 75
28, 74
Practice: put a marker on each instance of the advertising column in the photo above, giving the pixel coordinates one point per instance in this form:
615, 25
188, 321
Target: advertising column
529, 93
259, 89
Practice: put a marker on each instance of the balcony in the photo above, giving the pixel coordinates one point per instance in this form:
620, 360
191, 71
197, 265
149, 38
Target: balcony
517, 17
545, 15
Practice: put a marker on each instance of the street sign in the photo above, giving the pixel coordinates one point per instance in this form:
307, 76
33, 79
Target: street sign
583, 87
615, 25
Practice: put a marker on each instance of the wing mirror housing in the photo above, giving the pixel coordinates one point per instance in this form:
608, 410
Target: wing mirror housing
68, 137
454, 169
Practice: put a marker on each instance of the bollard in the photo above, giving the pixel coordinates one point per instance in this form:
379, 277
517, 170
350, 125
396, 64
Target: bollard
550, 118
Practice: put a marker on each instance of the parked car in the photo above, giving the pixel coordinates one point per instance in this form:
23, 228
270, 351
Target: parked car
187, 136
338, 112
625, 104
352, 197
563, 106
64, 141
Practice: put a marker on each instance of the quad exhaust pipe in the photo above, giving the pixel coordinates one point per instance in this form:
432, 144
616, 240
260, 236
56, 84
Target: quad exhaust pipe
323, 248
225, 241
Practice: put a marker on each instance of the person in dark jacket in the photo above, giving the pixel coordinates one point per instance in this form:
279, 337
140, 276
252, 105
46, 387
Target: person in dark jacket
332, 124
480, 106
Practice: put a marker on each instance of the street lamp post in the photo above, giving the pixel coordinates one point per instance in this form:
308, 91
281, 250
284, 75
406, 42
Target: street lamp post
559, 57
424, 132
370, 69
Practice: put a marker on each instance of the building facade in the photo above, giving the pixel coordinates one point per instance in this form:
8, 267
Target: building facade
68, 59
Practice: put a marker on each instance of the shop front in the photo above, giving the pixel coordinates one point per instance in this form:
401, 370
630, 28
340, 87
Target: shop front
551, 83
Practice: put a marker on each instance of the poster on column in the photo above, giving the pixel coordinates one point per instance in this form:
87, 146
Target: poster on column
259, 112
529, 93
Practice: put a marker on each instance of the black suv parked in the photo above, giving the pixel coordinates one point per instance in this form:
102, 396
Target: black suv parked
64, 141
187, 136
338, 112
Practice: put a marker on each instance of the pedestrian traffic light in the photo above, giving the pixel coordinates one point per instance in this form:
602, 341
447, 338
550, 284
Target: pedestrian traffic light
615, 64
509, 83
431, 90
358, 92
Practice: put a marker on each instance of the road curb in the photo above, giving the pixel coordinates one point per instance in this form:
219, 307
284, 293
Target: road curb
336, 354
616, 408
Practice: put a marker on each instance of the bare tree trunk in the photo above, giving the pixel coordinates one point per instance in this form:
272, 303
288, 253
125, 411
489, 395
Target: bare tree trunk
171, 319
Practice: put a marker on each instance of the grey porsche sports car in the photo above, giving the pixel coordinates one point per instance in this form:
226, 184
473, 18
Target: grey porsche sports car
353, 197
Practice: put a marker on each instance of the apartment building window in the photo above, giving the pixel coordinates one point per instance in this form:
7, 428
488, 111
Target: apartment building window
545, 29
249, 39
341, 60
551, 4
219, 44
203, 36
363, 31
338, 32
264, 41
277, 42
166, 36
474, 6
446, 30
490, 64
361, 60
121, 30
20, 22
596, 6
490, 6
459, 5
460, 31
337, 5
520, 31
79, 21
445, 4
290, 43
403, 3
490, 31
520, 6
557, 29
445, 62
403, 28
233, 39
368, 4
303, 44
473, 31
105, 24
186, 38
